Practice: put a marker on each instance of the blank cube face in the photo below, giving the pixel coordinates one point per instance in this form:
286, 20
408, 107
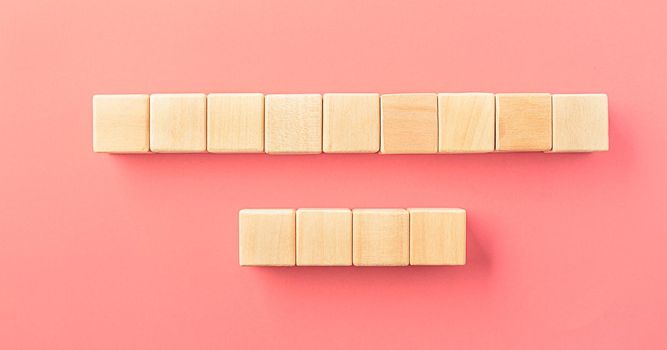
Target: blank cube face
466, 122
437, 236
523, 122
380, 237
324, 237
235, 123
409, 123
351, 123
178, 123
120, 123
267, 237
293, 124
580, 123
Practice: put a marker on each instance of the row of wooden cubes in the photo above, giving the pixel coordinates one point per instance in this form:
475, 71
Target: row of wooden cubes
350, 123
359, 237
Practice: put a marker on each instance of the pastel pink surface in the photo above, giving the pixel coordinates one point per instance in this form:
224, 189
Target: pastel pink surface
140, 252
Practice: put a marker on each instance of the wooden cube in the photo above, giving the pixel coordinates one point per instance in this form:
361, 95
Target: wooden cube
267, 237
437, 236
409, 123
580, 123
324, 237
380, 237
235, 123
466, 122
523, 122
351, 123
120, 123
178, 123
293, 123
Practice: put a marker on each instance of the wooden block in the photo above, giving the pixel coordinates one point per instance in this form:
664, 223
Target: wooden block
437, 236
409, 123
381, 237
267, 237
235, 123
324, 237
580, 123
293, 123
351, 123
120, 123
178, 123
523, 122
466, 123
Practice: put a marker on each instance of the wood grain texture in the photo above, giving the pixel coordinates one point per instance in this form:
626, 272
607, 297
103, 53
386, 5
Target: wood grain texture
324, 237
466, 122
409, 123
580, 123
293, 123
121, 123
351, 123
267, 237
235, 123
523, 122
437, 236
178, 123
381, 237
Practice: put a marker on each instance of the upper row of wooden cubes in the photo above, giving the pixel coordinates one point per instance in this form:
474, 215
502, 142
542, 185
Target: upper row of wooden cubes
350, 123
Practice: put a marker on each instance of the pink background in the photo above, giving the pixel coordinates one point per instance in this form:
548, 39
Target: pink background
140, 252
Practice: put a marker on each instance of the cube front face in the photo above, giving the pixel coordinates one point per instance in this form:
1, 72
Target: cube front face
267, 237
235, 123
324, 237
409, 123
466, 122
351, 123
437, 236
523, 122
580, 123
121, 123
293, 123
178, 123
380, 237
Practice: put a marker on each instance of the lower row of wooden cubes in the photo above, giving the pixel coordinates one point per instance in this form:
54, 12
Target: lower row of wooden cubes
359, 237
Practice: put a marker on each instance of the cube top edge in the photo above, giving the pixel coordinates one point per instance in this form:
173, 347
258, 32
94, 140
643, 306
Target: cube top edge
523, 94
584, 94
351, 94
294, 95
465, 94
409, 94
320, 210
253, 94
175, 95
436, 210
266, 211
379, 211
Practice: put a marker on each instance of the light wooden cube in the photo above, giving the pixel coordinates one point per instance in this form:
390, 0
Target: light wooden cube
120, 123
267, 237
235, 123
580, 123
351, 123
293, 123
324, 237
437, 236
381, 237
409, 123
178, 123
523, 122
466, 122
